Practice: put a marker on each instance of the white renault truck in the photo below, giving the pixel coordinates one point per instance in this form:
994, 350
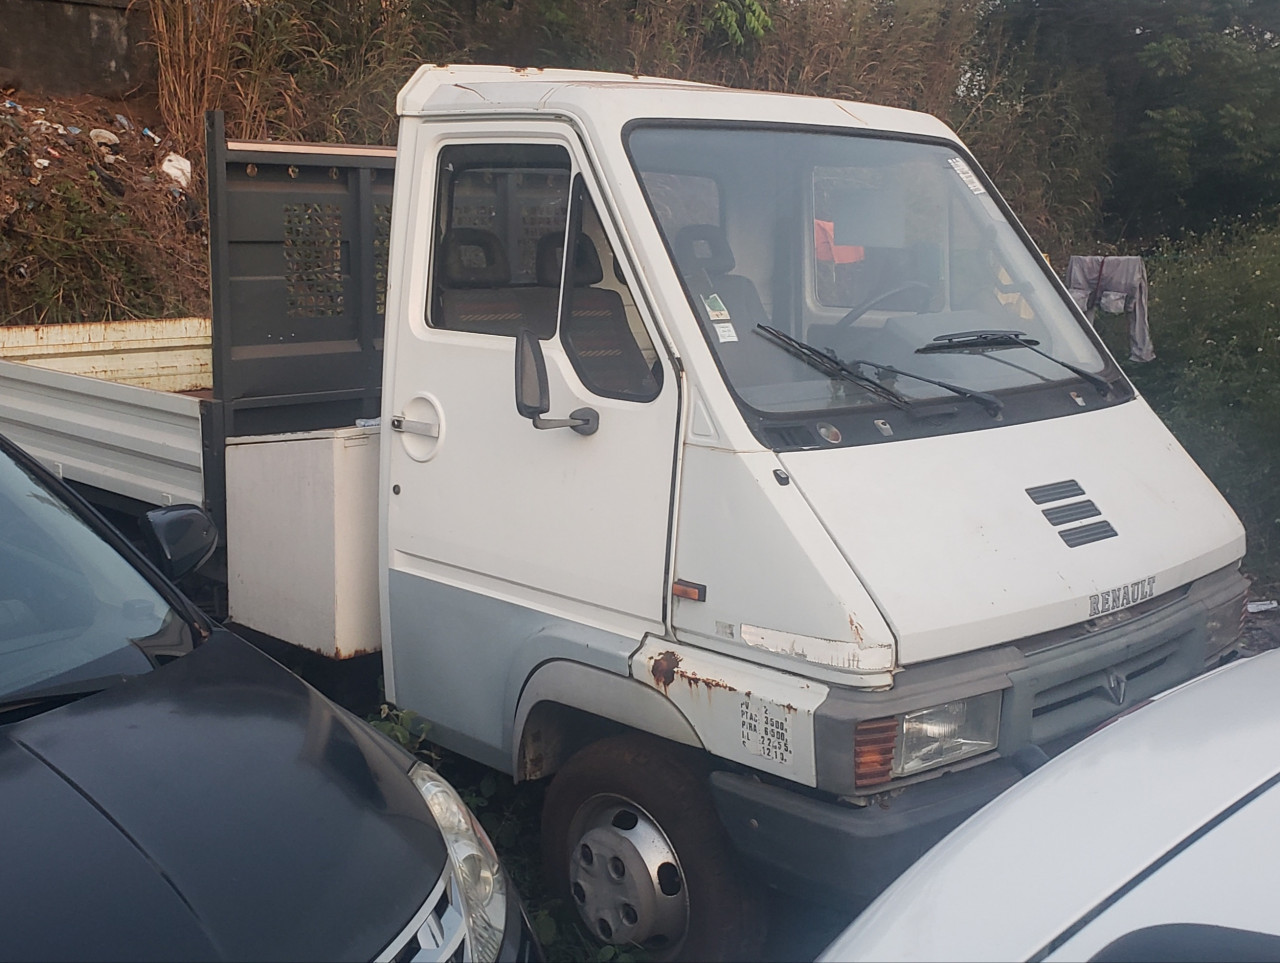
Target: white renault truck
788, 518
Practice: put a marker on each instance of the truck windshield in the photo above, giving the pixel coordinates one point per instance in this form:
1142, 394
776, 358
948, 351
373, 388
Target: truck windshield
71, 607
862, 246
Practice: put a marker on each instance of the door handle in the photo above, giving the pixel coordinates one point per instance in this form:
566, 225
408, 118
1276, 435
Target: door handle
428, 429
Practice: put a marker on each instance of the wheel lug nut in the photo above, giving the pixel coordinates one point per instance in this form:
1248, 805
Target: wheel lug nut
617, 868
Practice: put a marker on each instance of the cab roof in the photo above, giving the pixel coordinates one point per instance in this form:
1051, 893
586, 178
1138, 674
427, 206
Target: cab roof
442, 90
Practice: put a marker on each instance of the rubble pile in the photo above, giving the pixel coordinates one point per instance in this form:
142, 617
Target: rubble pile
100, 219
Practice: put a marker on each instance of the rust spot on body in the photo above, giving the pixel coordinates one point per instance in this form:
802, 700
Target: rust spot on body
664, 668
856, 629
693, 679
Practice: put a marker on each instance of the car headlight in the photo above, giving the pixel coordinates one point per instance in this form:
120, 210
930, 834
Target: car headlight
895, 746
477, 874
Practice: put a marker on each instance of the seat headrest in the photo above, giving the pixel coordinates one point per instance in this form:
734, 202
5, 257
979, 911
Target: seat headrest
471, 257
703, 247
586, 261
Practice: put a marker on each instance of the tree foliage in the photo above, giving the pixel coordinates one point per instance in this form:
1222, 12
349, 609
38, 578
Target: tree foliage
1192, 91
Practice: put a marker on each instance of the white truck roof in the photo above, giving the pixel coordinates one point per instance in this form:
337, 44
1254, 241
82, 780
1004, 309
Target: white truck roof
442, 90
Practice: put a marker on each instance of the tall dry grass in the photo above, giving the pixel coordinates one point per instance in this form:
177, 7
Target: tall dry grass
292, 69
239, 56
194, 43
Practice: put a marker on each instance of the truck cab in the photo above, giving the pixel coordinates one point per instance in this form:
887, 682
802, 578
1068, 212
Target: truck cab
749, 437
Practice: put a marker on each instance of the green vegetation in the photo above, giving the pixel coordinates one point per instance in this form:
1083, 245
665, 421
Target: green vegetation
85, 240
1216, 378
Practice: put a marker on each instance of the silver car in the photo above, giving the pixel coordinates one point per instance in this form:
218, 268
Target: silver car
1157, 838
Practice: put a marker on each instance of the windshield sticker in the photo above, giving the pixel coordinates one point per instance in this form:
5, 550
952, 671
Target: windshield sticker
716, 309
725, 332
966, 174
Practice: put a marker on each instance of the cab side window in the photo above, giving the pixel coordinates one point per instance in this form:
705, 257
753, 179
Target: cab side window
495, 205
600, 325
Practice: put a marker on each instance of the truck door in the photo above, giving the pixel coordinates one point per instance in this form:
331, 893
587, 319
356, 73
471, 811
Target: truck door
504, 540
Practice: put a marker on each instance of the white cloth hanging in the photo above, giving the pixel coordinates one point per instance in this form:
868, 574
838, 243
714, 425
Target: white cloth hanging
1114, 285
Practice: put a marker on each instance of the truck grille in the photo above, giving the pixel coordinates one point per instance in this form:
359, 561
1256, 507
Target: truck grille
1066, 699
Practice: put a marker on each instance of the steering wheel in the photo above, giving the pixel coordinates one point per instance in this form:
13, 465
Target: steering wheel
843, 325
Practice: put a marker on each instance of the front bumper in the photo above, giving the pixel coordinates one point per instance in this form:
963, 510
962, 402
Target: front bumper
840, 854
1056, 689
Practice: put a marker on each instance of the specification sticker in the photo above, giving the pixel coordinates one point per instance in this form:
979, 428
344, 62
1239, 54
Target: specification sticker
766, 731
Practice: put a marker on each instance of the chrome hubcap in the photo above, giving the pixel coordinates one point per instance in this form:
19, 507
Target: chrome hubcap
624, 876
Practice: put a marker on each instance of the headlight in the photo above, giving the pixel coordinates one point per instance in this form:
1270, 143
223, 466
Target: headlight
887, 748
477, 873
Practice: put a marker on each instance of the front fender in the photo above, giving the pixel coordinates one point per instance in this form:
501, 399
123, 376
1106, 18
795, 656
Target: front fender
600, 693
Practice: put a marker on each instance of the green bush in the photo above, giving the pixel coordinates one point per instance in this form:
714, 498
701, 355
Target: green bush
1215, 322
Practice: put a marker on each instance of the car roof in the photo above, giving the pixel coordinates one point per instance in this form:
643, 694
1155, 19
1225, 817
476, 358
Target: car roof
1056, 847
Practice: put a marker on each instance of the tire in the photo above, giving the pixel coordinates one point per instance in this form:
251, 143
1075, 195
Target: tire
631, 838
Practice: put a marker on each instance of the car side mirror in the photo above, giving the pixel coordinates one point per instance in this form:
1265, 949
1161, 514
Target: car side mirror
179, 538
533, 397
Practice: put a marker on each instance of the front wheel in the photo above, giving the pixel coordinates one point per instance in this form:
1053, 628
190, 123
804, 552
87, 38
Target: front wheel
631, 837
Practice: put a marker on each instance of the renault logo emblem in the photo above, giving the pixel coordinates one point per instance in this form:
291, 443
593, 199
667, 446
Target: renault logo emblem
1116, 685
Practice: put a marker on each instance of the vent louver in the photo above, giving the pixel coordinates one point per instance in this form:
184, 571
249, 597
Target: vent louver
1072, 512
793, 436
1055, 492
1075, 537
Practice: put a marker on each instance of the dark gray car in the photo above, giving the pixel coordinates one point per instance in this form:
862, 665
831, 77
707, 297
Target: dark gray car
169, 792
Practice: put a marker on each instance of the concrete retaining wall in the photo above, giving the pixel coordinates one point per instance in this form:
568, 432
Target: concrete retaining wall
68, 47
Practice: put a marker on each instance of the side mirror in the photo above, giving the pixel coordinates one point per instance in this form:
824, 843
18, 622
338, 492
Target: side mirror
179, 538
533, 398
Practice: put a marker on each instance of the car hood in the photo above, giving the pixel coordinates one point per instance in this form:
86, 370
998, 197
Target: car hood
217, 808
945, 536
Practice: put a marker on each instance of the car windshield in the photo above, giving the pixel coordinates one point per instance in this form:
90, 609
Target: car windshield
71, 607
861, 247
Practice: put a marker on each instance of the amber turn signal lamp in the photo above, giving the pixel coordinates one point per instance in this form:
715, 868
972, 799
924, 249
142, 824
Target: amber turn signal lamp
873, 743
689, 590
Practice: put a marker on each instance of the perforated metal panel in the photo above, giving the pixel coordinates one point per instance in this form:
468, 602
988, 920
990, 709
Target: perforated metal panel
299, 238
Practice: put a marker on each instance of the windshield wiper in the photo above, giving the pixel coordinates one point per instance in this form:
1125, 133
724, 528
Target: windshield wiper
963, 340
831, 366
828, 361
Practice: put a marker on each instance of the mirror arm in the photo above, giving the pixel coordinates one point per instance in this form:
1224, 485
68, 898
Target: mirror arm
584, 421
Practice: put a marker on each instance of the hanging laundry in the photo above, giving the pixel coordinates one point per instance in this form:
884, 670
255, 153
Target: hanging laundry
1114, 285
